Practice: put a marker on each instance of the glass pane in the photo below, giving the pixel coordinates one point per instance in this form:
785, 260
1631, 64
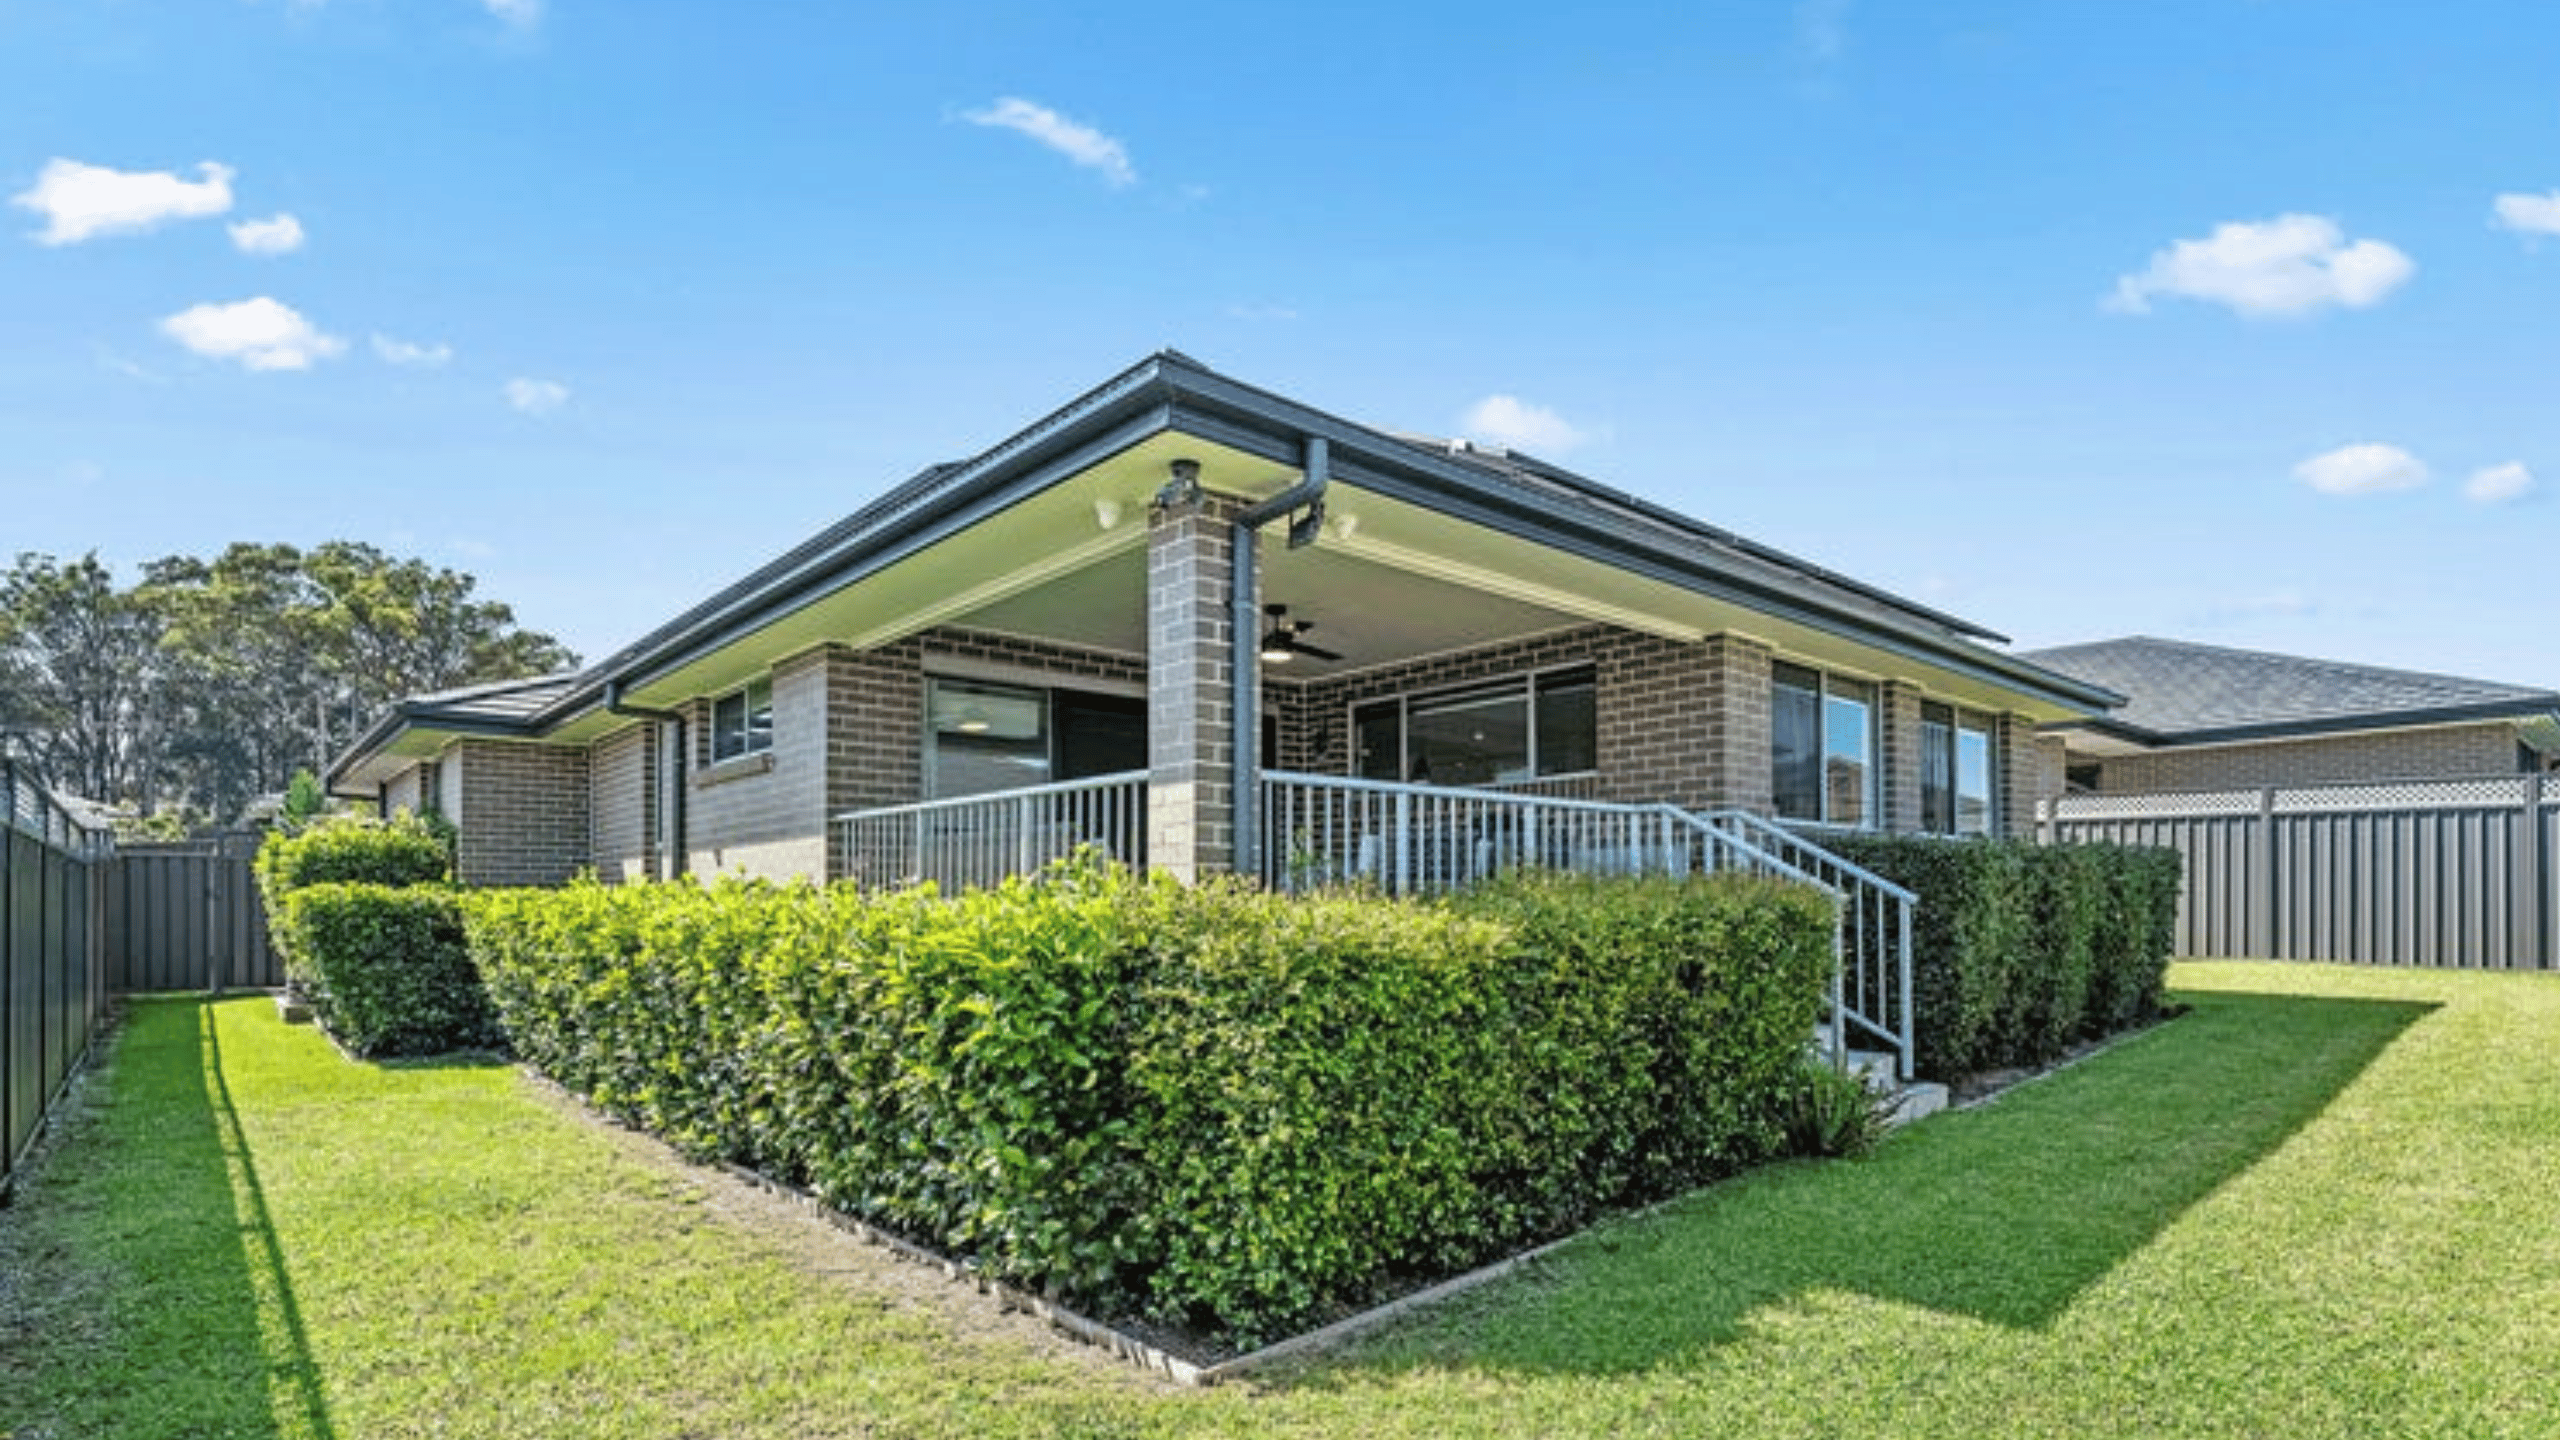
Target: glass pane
1568, 723
1973, 781
728, 726
759, 716
1377, 741
1476, 739
1848, 753
1795, 746
986, 737
1937, 770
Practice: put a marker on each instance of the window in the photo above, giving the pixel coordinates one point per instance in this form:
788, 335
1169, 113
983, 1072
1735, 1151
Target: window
1529, 727
985, 737
742, 721
1822, 747
1955, 773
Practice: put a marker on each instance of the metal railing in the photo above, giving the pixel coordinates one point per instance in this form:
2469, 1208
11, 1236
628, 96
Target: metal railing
1321, 831
979, 840
1872, 984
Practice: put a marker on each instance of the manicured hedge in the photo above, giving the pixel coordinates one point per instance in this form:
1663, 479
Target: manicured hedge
1204, 1105
402, 851
2020, 950
390, 973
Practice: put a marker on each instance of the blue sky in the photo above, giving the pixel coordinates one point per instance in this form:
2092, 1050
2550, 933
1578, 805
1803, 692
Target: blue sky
2226, 320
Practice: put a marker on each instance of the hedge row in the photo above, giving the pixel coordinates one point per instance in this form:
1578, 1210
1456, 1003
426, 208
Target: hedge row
2019, 950
1205, 1106
372, 934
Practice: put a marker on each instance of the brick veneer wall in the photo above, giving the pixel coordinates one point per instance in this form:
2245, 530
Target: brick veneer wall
764, 813
2437, 751
1683, 723
522, 819
401, 792
622, 804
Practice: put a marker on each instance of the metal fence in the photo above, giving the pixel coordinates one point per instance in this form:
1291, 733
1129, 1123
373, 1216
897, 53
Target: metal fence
53, 982
187, 916
2450, 873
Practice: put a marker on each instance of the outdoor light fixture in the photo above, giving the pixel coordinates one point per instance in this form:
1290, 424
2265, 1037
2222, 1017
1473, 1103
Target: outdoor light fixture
1183, 487
973, 721
1277, 648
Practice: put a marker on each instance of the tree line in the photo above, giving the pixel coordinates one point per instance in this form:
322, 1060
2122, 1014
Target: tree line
207, 683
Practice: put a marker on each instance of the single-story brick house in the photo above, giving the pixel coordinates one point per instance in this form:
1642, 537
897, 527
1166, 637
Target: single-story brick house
2202, 717
1084, 611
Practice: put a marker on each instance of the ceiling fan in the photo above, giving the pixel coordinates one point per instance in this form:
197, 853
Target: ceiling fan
1283, 644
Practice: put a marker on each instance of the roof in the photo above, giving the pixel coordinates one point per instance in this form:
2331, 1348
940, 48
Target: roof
2178, 692
1168, 391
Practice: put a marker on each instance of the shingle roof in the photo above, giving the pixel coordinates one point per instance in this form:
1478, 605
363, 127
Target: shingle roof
2176, 690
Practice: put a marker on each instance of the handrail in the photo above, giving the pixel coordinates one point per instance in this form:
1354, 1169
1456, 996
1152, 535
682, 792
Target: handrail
1846, 866
961, 802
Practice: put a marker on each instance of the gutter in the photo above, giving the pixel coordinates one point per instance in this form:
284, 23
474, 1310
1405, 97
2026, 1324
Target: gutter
1244, 569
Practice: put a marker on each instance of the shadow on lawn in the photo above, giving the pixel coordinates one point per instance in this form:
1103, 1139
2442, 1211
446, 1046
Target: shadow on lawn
198, 1330
2002, 1214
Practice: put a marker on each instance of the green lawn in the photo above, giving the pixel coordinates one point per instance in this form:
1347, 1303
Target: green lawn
2325, 1203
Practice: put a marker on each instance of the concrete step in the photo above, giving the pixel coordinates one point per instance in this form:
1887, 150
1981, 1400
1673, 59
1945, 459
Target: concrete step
1912, 1101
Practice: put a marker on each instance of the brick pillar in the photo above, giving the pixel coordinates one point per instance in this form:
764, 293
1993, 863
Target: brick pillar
1900, 723
2019, 755
1190, 697
1740, 739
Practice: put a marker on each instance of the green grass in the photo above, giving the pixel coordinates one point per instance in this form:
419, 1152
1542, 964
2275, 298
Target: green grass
2325, 1203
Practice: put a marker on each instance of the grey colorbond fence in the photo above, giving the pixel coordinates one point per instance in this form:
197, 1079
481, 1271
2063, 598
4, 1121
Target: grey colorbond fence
187, 916
2452, 873
53, 982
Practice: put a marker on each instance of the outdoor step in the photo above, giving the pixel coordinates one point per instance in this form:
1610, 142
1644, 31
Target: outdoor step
1912, 1101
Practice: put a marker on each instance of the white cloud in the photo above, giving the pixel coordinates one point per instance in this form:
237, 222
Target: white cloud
410, 353
80, 201
279, 236
1822, 29
1514, 423
2498, 484
262, 334
522, 14
2532, 214
2362, 470
536, 397
1080, 143
2291, 265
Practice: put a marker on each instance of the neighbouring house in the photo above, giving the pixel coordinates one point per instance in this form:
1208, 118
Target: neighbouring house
1213, 628
2202, 717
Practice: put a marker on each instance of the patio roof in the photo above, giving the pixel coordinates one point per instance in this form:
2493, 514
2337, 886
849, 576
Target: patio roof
1432, 546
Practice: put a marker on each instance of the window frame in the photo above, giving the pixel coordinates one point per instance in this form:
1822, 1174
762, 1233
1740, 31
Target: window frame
737, 733
1827, 689
1525, 686
1944, 729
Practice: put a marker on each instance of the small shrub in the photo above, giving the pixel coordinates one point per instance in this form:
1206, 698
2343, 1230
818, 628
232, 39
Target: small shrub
392, 974
1833, 1114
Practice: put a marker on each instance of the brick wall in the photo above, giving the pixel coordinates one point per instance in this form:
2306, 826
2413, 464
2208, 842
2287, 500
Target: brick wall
764, 813
1684, 723
2415, 754
523, 813
401, 792
622, 804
